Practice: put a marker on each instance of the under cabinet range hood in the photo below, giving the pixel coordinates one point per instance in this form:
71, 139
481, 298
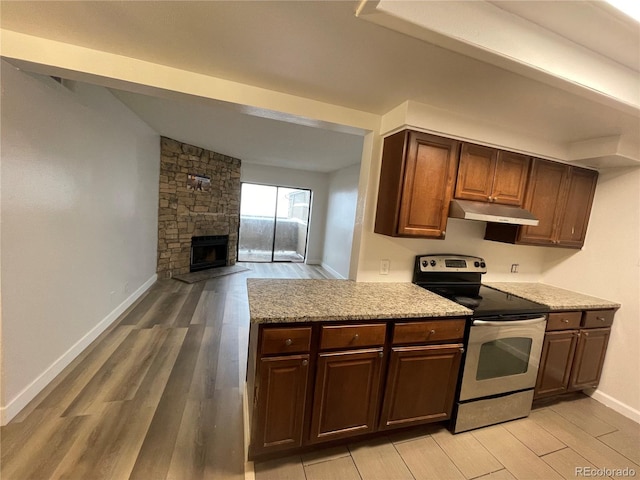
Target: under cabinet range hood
490, 212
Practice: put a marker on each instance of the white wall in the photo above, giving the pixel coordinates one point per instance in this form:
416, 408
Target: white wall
317, 182
79, 223
341, 214
609, 267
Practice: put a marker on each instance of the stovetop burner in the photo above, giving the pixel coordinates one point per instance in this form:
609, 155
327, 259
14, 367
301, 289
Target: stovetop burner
458, 278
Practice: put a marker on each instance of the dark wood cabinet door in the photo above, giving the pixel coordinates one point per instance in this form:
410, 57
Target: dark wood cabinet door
555, 363
589, 358
510, 178
346, 395
476, 172
577, 208
280, 402
420, 385
427, 187
544, 199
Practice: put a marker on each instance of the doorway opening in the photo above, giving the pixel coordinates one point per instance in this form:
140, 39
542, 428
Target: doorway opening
274, 223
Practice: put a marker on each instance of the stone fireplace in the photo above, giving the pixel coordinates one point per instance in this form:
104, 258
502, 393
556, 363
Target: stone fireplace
210, 212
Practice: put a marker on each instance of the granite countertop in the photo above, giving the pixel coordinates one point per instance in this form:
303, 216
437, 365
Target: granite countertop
555, 298
280, 300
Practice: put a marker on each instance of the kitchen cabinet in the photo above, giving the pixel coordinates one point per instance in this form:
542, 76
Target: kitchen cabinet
490, 175
346, 394
280, 391
327, 381
416, 185
560, 196
422, 379
573, 352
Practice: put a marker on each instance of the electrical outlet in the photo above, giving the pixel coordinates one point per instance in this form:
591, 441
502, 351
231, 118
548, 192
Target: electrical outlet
384, 267
514, 267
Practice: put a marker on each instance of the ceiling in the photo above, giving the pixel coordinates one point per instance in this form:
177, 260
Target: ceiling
322, 51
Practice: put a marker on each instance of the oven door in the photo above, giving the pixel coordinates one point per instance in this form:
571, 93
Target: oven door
502, 356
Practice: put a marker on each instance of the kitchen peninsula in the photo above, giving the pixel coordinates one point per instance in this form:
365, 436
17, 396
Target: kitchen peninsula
318, 355
334, 359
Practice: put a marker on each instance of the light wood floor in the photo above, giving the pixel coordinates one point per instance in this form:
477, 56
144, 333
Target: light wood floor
158, 396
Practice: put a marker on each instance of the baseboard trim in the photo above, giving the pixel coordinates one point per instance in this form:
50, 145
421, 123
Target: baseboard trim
617, 405
332, 271
21, 400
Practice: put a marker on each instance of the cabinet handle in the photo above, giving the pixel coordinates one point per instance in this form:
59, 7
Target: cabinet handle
381, 354
602, 319
305, 363
461, 349
288, 342
431, 332
356, 336
565, 320
586, 334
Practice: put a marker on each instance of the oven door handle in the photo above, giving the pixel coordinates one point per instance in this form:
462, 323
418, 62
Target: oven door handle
507, 323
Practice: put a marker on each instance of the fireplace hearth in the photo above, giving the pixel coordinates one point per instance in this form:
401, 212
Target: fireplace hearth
208, 251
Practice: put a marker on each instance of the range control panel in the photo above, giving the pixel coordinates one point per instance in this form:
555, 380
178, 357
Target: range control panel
452, 263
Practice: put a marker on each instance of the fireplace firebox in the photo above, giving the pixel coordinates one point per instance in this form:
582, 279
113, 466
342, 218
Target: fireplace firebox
208, 251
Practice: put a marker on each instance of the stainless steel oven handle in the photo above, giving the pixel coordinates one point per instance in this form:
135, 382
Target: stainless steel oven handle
488, 323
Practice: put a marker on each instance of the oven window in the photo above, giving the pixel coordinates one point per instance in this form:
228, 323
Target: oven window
504, 357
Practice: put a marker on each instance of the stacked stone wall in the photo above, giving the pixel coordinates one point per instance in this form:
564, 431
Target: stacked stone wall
184, 213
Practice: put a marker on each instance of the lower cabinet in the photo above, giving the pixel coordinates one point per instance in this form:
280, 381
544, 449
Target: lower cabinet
421, 385
280, 403
346, 393
573, 353
316, 383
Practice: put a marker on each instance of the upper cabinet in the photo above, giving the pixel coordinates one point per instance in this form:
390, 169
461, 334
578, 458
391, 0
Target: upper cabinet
560, 196
489, 175
416, 185
421, 173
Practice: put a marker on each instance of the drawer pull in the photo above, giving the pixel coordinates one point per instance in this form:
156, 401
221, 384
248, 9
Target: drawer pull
288, 342
305, 363
461, 349
602, 319
431, 332
565, 320
381, 354
356, 336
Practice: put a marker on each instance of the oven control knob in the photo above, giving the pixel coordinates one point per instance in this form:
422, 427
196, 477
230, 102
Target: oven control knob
425, 263
482, 264
433, 263
476, 264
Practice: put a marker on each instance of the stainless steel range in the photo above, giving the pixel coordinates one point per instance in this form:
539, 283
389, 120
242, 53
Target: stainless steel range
503, 343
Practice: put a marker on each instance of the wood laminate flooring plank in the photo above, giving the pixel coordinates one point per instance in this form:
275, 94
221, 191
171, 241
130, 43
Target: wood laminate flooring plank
536, 438
426, 460
566, 461
467, 453
514, 455
108, 444
338, 468
592, 449
185, 315
379, 460
155, 454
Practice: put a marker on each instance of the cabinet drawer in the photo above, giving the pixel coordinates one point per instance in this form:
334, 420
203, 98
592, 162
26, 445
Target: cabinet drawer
350, 336
564, 320
431, 331
597, 318
286, 340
